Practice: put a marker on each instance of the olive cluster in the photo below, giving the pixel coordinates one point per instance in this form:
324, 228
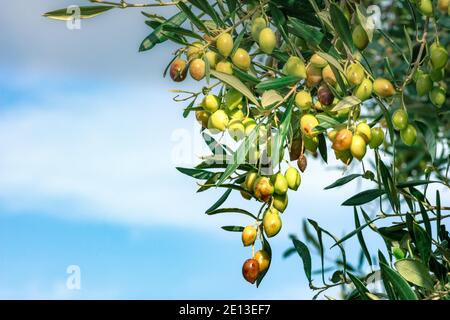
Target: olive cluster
272, 190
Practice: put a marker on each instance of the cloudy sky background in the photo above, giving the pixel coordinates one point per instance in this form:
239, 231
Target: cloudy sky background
87, 173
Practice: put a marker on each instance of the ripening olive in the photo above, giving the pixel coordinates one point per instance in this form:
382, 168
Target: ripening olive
358, 147
249, 235
194, 50
317, 61
272, 222
258, 24
295, 67
197, 69
241, 59
437, 96
211, 56
364, 90
293, 178
363, 130
307, 124
263, 189
250, 179
236, 129
225, 44
279, 183
425, 7
332, 135
377, 138
443, 5
400, 119
263, 259
250, 270
224, 67
178, 70
423, 84
202, 117
383, 88
343, 140
295, 149
302, 163
408, 135
267, 40
438, 56
328, 75
355, 74
280, 202
210, 103
360, 38
218, 121
313, 76
325, 95
303, 100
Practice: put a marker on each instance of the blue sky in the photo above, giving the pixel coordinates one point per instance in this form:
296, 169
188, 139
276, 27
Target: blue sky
87, 173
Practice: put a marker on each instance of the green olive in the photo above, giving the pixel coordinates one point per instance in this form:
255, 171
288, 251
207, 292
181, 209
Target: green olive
280, 202
293, 178
400, 119
210, 103
360, 38
377, 138
263, 259
317, 61
358, 147
355, 74
437, 96
272, 222
267, 40
236, 129
303, 100
194, 50
425, 7
295, 67
383, 88
225, 44
249, 235
224, 67
364, 90
249, 124
279, 183
241, 59
363, 130
250, 179
438, 56
409, 135
258, 24
424, 84
211, 56
218, 121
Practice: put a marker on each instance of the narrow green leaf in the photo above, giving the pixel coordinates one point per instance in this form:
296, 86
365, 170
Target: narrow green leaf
233, 228
341, 26
341, 181
234, 82
387, 285
68, 14
277, 83
323, 147
192, 17
220, 201
232, 210
266, 247
363, 197
360, 287
362, 243
351, 234
309, 33
346, 103
305, 255
423, 243
196, 173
